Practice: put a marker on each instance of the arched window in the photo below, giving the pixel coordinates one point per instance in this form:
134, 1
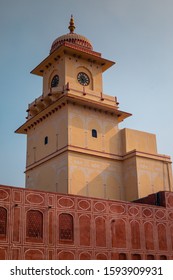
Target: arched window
136, 257
122, 256
65, 227
150, 257
3, 221
94, 133
55, 81
34, 224
163, 257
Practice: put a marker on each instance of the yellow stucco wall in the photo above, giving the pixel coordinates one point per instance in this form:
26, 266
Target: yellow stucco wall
55, 128
95, 177
153, 176
145, 171
138, 140
117, 164
130, 179
51, 175
58, 68
75, 65
81, 121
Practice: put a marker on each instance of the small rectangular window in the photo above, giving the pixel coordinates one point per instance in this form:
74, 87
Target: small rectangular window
46, 140
94, 133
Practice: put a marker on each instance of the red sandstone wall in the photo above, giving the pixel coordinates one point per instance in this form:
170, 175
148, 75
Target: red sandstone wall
90, 229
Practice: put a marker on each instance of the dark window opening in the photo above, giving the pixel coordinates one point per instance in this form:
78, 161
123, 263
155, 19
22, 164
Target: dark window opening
94, 133
150, 257
163, 257
55, 81
34, 223
3, 221
122, 256
136, 257
46, 140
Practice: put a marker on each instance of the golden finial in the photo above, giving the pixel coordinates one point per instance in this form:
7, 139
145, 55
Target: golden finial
71, 26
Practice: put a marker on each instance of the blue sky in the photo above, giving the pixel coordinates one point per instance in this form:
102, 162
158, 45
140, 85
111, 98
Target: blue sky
137, 34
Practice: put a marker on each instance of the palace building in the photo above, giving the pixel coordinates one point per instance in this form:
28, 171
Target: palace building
83, 171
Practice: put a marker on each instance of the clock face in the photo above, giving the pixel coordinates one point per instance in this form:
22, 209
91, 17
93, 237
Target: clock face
55, 81
83, 79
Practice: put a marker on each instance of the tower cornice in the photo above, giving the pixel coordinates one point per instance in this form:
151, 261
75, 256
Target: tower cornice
70, 96
73, 50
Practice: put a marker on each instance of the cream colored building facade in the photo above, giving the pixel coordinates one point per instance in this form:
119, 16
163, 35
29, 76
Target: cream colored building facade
74, 144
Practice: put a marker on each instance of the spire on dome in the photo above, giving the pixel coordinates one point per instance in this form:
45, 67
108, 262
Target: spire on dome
71, 26
72, 38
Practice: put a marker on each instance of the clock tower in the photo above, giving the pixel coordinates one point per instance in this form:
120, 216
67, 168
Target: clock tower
74, 144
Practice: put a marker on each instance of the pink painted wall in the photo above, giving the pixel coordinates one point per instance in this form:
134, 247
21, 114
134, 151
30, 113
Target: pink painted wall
45, 225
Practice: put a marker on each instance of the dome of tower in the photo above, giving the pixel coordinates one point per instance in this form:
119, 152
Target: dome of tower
72, 38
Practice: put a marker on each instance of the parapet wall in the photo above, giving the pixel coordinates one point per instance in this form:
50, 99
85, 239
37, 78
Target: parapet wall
46, 225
